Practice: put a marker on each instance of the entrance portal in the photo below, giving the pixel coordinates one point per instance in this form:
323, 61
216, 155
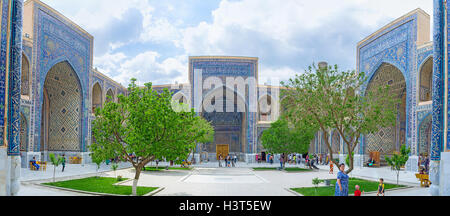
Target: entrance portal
61, 110
223, 149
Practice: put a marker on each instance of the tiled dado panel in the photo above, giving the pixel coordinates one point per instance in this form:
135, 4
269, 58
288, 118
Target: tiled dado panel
57, 40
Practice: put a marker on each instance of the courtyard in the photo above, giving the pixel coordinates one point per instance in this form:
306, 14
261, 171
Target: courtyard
207, 179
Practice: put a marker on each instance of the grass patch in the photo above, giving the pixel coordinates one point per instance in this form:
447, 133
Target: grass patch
296, 169
164, 168
101, 185
365, 185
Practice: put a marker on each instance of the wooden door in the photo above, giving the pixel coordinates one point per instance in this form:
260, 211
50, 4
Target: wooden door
222, 149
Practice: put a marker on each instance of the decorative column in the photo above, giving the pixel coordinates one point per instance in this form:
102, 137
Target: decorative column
439, 176
14, 85
11, 69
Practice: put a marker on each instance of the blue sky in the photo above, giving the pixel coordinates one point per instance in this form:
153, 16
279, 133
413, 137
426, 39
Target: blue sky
151, 40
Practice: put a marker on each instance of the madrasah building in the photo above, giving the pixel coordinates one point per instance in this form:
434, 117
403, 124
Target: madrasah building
49, 88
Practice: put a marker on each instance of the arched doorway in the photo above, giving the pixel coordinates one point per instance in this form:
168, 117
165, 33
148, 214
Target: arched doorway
61, 110
265, 108
387, 140
425, 136
426, 81
25, 78
229, 127
110, 96
97, 101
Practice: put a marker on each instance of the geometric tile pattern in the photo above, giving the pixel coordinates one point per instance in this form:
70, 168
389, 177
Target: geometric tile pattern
64, 93
426, 75
425, 136
387, 139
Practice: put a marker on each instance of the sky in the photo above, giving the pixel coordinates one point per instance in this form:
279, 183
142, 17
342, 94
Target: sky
151, 40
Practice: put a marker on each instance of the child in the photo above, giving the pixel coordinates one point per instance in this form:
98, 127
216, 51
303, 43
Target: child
381, 187
331, 167
357, 191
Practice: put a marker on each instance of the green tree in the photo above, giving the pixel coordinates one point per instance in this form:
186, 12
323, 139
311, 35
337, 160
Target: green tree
316, 181
114, 167
330, 98
144, 123
398, 159
202, 124
284, 138
99, 157
55, 162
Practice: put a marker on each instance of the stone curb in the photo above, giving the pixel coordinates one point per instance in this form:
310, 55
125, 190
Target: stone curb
293, 192
372, 192
97, 193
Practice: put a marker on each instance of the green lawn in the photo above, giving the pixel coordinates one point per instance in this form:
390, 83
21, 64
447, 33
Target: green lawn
366, 186
296, 169
100, 185
160, 168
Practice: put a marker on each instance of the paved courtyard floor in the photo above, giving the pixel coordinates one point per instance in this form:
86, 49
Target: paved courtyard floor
207, 179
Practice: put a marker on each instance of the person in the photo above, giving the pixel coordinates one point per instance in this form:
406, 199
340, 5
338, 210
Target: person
357, 191
33, 162
312, 164
427, 164
235, 159
281, 161
331, 167
256, 158
220, 160
271, 159
370, 162
341, 188
226, 161
381, 187
63, 162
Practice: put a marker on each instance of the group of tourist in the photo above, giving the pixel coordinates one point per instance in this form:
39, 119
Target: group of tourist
341, 187
230, 161
36, 166
424, 164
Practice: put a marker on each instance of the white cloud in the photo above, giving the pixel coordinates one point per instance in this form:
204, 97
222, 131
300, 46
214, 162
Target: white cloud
145, 67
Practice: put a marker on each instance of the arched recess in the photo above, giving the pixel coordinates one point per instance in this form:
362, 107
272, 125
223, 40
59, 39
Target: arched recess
426, 81
387, 140
23, 133
230, 127
180, 98
25, 78
97, 100
265, 107
110, 96
61, 109
425, 136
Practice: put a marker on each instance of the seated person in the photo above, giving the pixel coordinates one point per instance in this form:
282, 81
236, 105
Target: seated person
33, 162
370, 162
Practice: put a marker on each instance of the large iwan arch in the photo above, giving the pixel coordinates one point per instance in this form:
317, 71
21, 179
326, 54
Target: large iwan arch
387, 140
61, 110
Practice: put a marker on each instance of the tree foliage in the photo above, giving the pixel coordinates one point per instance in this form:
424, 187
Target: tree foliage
398, 159
281, 138
56, 161
144, 123
331, 99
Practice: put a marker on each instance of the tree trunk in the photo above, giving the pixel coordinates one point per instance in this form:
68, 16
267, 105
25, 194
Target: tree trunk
350, 161
136, 179
398, 173
54, 172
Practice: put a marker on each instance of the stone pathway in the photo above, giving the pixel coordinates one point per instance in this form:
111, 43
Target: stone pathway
207, 179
